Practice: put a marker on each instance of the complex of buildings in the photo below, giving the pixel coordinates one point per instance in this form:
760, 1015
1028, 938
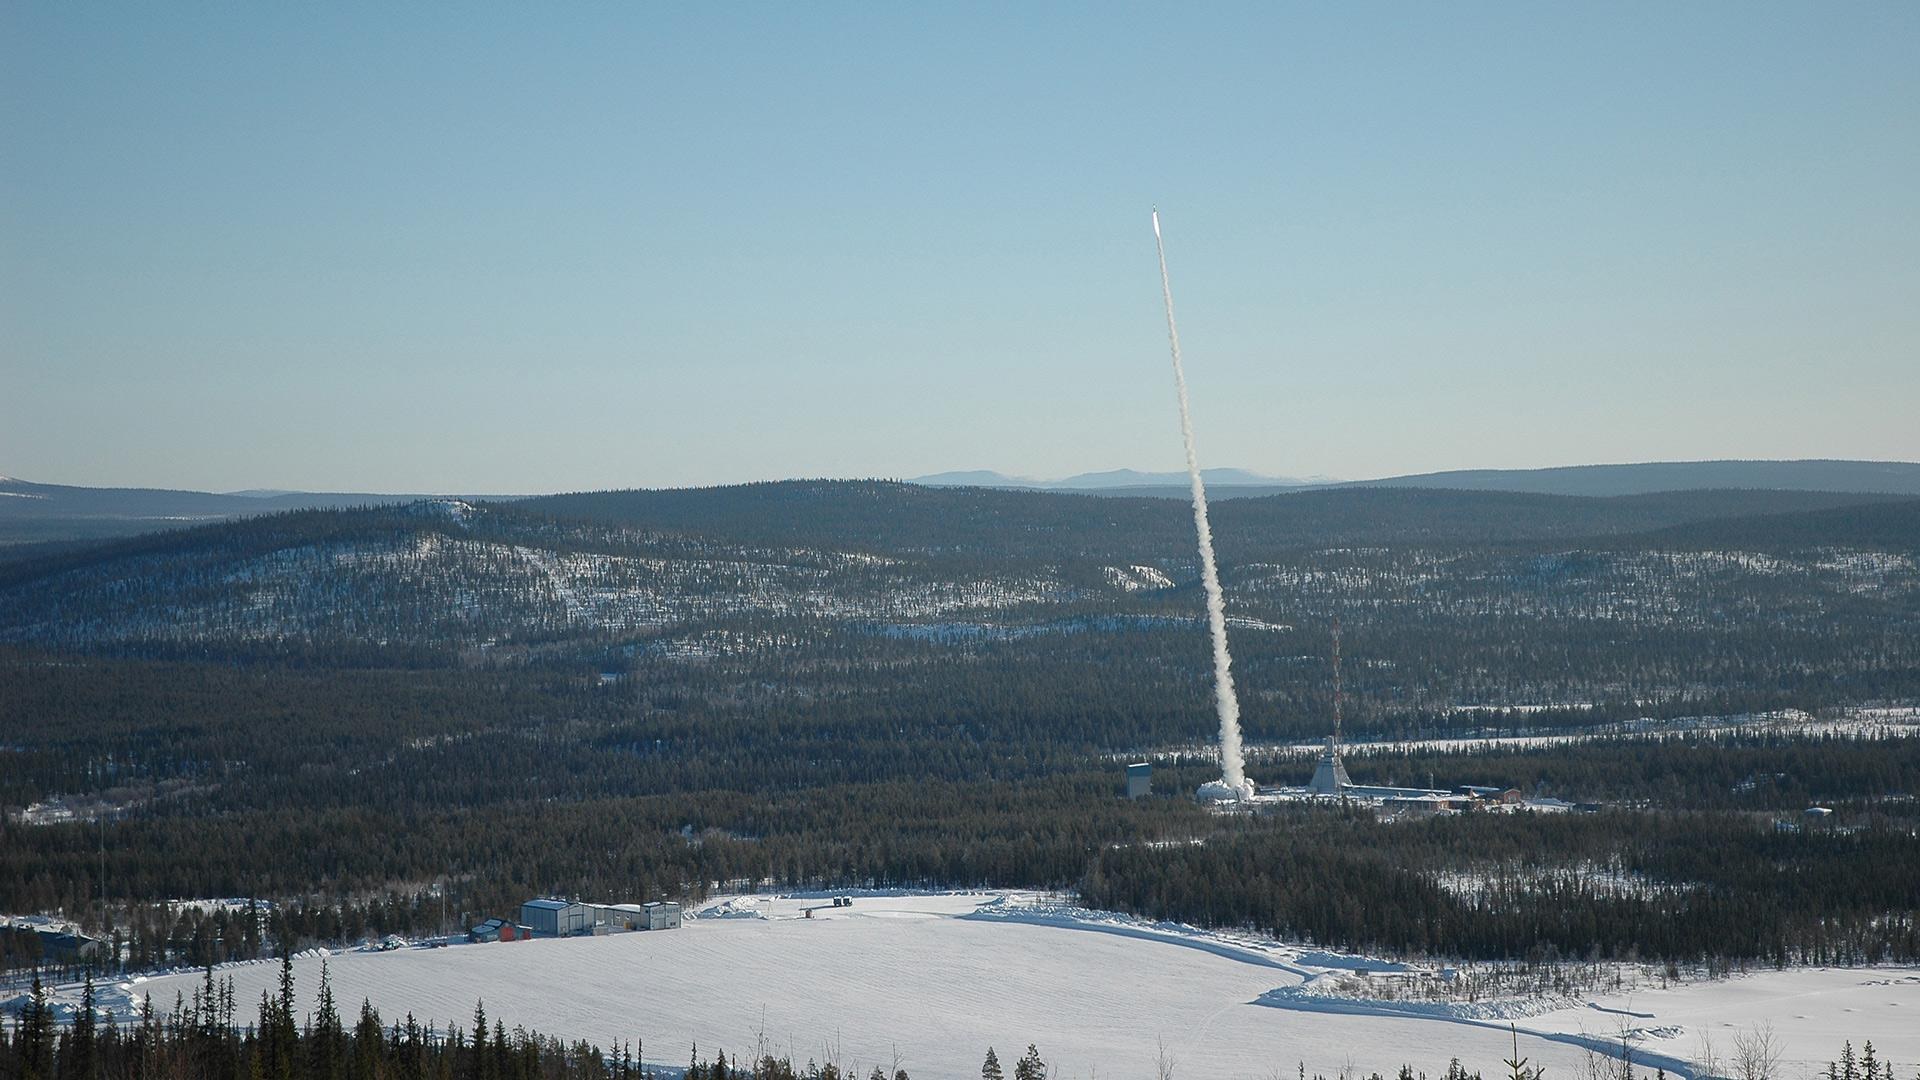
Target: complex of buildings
1330, 780
549, 916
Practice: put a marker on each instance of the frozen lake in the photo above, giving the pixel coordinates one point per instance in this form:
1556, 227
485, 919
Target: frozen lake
942, 978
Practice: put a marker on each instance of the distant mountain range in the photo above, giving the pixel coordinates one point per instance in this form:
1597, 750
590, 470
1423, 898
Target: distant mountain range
31, 512
1112, 479
1868, 477
1865, 477
57, 513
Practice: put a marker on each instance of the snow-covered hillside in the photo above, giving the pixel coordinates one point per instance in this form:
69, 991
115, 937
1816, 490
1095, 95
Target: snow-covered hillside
447, 572
940, 978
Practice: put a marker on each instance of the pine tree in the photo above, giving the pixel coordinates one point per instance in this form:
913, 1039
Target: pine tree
324, 1048
279, 1036
36, 1035
477, 1064
82, 1057
367, 1048
990, 1068
1516, 1065
1030, 1067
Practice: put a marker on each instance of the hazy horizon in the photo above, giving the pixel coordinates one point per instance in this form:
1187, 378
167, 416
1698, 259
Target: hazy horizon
522, 251
1157, 477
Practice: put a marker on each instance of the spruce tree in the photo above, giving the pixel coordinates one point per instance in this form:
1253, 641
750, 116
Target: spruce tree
477, 1064
36, 1035
324, 1049
990, 1068
1030, 1067
82, 1056
367, 1048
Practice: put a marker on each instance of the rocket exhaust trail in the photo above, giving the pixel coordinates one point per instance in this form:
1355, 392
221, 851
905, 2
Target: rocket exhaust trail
1233, 774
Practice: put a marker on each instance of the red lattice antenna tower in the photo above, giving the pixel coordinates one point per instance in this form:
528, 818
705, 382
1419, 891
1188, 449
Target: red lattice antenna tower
1336, 680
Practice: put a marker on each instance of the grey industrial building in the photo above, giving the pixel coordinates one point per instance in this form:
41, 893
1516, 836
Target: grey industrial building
554, 917
551, 917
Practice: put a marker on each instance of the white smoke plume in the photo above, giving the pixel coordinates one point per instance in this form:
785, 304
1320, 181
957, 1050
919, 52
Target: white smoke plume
1233, 769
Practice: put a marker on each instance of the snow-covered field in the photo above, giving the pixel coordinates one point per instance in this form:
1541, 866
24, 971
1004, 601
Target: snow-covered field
943, 977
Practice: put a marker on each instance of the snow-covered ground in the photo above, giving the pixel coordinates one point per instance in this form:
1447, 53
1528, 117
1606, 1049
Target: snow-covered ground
942, 977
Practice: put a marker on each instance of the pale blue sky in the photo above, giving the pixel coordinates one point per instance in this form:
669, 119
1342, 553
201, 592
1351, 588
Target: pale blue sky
404, 247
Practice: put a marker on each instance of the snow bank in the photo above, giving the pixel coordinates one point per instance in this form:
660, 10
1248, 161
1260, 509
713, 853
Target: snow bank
738, 907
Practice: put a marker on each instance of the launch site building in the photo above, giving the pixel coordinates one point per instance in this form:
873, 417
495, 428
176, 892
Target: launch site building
1140, 780
556, 917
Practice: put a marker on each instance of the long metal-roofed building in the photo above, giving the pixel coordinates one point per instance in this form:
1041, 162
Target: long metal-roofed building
553, 917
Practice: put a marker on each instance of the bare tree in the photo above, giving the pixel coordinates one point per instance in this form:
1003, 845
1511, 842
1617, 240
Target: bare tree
1163, 1062
760, 1055
1706, 1063
1626, 1050
1756, 1053
1595, 1065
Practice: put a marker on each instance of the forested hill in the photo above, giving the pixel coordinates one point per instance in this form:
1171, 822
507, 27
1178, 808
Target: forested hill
893, 518
1889, 526
1562, 590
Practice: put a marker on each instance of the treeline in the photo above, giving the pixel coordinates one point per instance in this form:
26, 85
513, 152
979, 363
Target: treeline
488, 859
1762, 772
1688, 888
894, 517
152, 739
324, 790
206, 1038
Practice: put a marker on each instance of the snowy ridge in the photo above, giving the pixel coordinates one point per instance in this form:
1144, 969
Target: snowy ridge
1039, 911
1486, 1015
1312, 997
467, 588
